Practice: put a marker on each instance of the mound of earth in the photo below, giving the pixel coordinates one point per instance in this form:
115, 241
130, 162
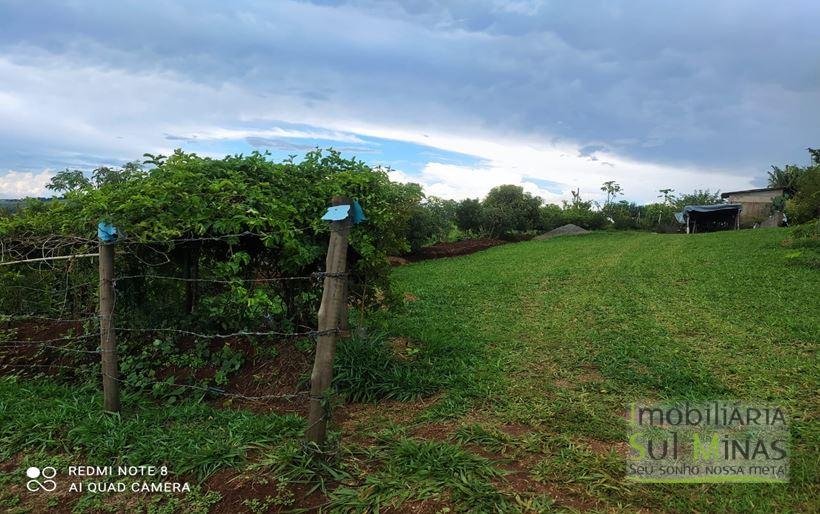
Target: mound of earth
566, 230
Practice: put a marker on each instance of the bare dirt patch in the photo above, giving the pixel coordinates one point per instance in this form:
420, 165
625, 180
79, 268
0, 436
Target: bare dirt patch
430, 506
604, 447
240, 492
466, 247
519, 480
37, 347
283, 376
435, 431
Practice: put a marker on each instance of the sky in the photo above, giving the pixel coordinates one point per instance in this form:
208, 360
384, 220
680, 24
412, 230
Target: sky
459, 96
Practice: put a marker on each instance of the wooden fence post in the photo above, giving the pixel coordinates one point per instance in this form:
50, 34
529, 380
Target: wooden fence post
333, 297
111, 388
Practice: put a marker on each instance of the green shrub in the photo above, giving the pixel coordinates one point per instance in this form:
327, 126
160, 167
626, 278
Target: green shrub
186, 196
430, 222
550, 216
804, 206
509, 209
470, 215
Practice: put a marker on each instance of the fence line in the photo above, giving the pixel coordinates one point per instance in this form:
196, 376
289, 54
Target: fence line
218, 390
11, 317
331, 316
313, 276
56, 258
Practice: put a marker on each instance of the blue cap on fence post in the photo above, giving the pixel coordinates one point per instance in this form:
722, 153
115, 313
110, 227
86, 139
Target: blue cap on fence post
106, 232
336, 213
358, 212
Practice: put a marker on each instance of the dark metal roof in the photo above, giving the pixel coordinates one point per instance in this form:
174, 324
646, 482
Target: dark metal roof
681, 216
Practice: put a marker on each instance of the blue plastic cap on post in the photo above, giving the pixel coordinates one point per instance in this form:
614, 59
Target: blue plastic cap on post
358, 212
106, 232
336, 213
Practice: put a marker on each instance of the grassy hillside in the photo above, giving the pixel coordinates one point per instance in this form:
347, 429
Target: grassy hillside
560, 335
499, 385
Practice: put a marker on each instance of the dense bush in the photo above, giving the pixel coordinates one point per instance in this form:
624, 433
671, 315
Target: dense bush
431, 221
698, 197
470, 216
623, 215
585, 218
804, 206
550, 216
248, 218
508, 209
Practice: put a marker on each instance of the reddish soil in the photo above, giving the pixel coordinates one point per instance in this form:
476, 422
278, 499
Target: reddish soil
284, 375
29, 355
440, 250
239, 491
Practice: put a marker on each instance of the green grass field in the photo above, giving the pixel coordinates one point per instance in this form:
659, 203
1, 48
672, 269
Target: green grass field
499, 385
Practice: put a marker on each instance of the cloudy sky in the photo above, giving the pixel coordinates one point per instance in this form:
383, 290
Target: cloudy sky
457, 95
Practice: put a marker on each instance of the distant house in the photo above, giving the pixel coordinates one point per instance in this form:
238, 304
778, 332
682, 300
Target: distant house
756, 203
710, 218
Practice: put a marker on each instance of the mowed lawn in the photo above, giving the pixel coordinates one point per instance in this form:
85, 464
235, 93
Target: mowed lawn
545, 343
498, 385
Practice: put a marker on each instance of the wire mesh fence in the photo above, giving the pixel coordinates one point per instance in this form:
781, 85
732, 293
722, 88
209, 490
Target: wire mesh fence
49, 307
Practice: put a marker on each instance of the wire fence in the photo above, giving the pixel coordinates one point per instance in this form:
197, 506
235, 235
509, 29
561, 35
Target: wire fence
47, 266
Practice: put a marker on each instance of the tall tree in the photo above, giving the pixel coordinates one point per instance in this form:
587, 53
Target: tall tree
612, 189
668, 196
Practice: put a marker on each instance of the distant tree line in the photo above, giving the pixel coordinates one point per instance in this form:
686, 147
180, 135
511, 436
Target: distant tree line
510, 212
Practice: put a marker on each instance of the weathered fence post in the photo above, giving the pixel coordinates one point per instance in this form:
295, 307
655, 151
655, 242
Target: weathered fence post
110, 375
333, 297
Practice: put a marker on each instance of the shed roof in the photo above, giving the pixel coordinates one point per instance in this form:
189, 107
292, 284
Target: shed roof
681, 216
760, 190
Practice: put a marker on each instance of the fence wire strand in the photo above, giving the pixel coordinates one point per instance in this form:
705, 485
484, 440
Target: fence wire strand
58, 254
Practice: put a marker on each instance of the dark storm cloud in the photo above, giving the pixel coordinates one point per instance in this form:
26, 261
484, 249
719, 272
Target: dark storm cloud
731, 84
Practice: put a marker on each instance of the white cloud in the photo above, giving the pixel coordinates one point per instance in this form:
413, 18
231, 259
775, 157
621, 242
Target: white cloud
17, 184
526, 162
63, 106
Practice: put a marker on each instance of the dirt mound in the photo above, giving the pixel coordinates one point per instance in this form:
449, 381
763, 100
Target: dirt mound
453, 249
566, 230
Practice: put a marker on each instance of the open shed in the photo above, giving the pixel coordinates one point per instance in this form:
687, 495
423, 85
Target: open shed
710, 218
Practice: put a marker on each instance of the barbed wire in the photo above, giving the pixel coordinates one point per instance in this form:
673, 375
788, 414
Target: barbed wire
54, 340
318, 275
136, 240
217, 390
30, 365
241, 333
53, 347
12, 317
50, 253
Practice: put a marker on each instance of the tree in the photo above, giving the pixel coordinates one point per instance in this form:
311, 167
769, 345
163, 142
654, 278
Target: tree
785, 178
550, 216
668, 196
508, 208
612, 189
699, 197
815, 155
469, 215
804, 206
68, 180
430, 222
